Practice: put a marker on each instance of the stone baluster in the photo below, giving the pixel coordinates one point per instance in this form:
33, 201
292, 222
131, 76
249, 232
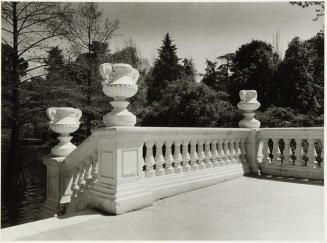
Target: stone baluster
243, 151
75, 187
266, 151
226, 152
193, 155
232, 152
159, 159
201, 155
299, 153
186, 156
221, 154
88, 174
149, 159
287, 152
275, 152
169, 159
214, 152
81, 180
94, 171
311, 154
208, 154
237, 151
178, 157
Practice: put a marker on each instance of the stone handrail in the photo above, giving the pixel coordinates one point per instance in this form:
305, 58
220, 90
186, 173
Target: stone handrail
294, 152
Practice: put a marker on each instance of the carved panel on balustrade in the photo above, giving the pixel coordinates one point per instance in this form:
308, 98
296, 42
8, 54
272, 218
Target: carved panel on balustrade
130, 163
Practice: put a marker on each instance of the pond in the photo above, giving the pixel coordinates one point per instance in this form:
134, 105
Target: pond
22, 205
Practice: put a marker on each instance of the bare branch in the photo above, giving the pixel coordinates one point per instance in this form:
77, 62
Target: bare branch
24, 8
35, 43
35, 31
35, 58
28, 70
4, 40
37, 76
7, 30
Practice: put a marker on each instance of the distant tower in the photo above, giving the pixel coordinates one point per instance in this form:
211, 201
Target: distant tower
276, 44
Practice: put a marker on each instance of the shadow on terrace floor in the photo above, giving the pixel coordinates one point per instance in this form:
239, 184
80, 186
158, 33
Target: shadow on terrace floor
288, 179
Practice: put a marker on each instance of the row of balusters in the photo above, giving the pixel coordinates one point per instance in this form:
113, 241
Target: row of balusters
169, 157
84, 176
294, 152
164, 157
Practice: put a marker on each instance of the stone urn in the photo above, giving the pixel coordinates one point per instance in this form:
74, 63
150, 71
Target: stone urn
63, 120
120, 84
248, 105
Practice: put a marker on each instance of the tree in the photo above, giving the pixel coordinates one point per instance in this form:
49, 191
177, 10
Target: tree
301, 81
54, 62
27, 27
287, 117
210, 77
188, 70
253, 69
89, 39
166, 69
224, 70
190, 104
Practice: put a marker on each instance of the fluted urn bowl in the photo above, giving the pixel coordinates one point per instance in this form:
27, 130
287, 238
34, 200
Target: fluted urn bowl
120, 91
248, 100
248, 106
64, 120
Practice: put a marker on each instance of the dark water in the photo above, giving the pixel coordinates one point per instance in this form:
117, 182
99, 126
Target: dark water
22, 205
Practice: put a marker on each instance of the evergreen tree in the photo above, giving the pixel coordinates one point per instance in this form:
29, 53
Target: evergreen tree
166, 69
188, 69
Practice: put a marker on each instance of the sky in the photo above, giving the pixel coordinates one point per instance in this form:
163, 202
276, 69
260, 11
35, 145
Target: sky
207, 30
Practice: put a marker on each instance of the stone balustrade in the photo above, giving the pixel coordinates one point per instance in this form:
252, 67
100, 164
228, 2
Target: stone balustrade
292, 152
138, 165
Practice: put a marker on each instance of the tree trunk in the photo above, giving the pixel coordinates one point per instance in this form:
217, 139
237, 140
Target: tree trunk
15, 175
88, 118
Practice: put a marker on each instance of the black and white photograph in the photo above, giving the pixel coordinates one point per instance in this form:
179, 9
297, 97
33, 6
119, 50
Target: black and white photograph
162, 121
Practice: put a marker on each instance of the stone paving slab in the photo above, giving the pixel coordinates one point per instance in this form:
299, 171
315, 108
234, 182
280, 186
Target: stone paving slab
240, 209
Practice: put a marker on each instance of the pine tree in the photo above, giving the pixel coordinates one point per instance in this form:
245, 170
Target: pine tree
188, 69
166, 69
54, 62
210, 77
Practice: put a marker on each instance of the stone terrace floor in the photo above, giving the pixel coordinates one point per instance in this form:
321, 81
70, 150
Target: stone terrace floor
247, 208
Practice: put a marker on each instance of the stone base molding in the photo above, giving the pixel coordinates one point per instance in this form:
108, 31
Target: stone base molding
292, 171
170, 185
